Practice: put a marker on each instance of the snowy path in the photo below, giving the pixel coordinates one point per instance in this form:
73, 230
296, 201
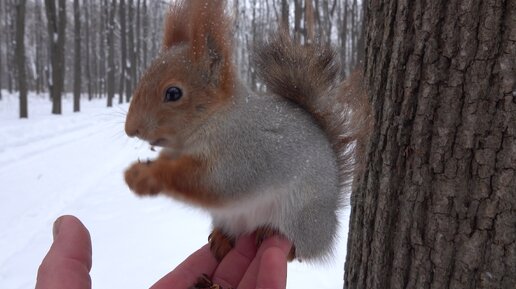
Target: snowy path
73, 164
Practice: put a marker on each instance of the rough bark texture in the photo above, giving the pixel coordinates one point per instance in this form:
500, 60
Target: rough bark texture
436, 206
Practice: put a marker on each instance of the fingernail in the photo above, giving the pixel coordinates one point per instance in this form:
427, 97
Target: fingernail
55, 228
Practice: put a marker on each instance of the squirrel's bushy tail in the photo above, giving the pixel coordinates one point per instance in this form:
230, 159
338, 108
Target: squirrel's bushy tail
299, 73
308, 75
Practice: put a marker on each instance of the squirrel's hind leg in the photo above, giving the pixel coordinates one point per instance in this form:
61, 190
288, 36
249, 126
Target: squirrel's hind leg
220, 243
263, 233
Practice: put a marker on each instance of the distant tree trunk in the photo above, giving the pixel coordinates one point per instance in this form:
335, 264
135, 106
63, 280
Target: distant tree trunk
354, 33
20, 57
77, 62
344, 37
145, 33
111, 55
138, 50
131, 53
1, 62
284, 14
56, 21
254, 33
436, 205
40, 49
88, 49
103, 48
298, 13
123, 51
309, 21
10, 48
361, 36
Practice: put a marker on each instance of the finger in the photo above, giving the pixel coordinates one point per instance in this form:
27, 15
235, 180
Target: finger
186, 274
233, 267
280, 246
272, 273
68, 262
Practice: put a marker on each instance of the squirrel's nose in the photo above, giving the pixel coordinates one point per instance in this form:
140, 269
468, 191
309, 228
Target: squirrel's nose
131, 130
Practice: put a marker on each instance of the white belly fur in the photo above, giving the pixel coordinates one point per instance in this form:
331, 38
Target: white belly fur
246, 216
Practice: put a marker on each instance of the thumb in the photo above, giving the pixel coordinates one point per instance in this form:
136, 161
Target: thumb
68, 262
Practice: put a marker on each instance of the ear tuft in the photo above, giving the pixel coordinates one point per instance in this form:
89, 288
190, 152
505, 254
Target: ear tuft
206, 28
176, 30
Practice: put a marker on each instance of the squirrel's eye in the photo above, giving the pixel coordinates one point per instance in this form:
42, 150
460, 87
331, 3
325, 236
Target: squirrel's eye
173, 93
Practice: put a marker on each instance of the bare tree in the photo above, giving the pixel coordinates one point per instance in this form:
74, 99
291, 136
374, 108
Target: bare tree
20, 57
111, 55
1, 62
88, 76
144, 38
8, 32
131, 53
77, 62
56, 23
123, 51
436, 206
309, 22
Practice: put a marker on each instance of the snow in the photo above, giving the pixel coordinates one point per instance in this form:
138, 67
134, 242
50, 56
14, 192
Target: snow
72, 164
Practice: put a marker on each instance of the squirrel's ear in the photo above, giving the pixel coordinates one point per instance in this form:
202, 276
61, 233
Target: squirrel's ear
210, 38
176, 30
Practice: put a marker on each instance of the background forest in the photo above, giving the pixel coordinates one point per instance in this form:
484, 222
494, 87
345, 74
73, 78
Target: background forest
89, 54
99, 48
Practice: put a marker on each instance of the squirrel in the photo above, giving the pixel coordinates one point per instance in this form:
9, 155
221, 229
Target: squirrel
270, 163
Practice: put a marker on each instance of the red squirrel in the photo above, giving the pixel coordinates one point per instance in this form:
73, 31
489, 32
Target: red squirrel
277, 162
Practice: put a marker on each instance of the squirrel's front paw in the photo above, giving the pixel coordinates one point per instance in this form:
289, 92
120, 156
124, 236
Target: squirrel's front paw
140, 180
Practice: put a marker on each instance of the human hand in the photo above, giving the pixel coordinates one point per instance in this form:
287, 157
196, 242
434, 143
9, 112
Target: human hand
244, 267
68, 262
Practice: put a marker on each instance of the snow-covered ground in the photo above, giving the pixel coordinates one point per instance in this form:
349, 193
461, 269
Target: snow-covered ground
73, 164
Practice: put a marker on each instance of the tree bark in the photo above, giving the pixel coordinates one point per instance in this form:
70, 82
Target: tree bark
436, 206
77, 62
56, 21
20, 57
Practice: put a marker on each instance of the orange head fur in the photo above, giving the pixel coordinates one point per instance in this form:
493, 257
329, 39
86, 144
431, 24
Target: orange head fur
195, 62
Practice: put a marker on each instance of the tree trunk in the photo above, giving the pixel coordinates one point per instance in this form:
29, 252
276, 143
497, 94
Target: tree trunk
284, 14
298, 13
9, 28
40, 48
56, 21
131, 54
88, 49
1, 43
111, 55
77, 62
138, 49
436, 205
309, 22
123, 51
20, 57
145, 34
